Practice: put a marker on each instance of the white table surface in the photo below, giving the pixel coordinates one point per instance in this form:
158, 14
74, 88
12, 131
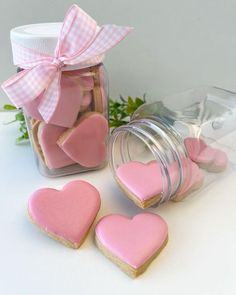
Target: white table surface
200, 257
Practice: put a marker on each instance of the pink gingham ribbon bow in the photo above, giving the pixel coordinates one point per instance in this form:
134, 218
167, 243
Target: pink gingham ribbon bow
80, 40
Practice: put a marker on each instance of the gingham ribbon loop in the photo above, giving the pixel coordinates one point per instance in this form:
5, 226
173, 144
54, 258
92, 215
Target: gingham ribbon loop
80, 41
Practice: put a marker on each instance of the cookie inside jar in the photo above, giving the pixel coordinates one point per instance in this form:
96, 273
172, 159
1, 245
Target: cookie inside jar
75, 139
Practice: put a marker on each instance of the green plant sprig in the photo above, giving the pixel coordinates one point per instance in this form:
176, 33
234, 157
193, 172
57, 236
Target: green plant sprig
121, 111
19, 117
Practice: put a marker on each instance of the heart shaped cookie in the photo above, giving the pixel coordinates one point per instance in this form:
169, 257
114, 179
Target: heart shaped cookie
208, 158
132, 244
85, 142
142, 182
65, 215
53, 155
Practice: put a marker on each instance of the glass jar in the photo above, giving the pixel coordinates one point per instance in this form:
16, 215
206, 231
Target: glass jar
175, 147
74, 139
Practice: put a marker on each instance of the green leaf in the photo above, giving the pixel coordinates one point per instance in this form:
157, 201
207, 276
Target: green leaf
121, 111
130, 101
9, 107
19, 116
138, 101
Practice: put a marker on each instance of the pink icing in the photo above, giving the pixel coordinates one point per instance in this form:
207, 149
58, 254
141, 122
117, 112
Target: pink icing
31, 108
194, 147
201, 153
145, 180
85, 144
87, 99
67, 213
68, 106
134, 240
69, 103
54, 156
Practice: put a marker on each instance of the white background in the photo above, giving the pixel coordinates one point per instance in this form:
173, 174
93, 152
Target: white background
175, 45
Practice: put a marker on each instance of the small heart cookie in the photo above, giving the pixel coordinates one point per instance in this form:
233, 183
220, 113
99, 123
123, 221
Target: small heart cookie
142, 182
85, 142
134, 243
53, 155
208, 158
65, 215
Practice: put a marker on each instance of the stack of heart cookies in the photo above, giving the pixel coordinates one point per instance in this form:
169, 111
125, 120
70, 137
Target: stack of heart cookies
78, 129
143, 182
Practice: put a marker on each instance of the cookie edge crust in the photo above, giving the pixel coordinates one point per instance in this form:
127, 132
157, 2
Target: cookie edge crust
58, 238
140, 203
128, 269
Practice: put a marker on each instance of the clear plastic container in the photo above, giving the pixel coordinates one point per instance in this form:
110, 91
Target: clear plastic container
75, 140
174, 147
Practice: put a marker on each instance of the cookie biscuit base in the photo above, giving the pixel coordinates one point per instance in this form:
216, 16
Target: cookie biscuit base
128, 269
140, 203
35, 141
97, 94
55, 237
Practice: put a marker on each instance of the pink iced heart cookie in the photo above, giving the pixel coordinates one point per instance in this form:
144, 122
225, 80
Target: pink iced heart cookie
211, 159
53, 155
65, 215
141, 182
85, 143
132, 244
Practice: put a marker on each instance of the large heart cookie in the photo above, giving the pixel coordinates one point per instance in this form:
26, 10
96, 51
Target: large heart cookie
85, 143
53, 155
211, 159
65, 215
131, 243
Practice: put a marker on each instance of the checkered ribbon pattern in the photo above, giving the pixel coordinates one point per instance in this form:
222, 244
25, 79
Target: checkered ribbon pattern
80, 40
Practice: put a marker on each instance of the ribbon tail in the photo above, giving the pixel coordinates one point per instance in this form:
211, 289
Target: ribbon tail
50, 98
28, 84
